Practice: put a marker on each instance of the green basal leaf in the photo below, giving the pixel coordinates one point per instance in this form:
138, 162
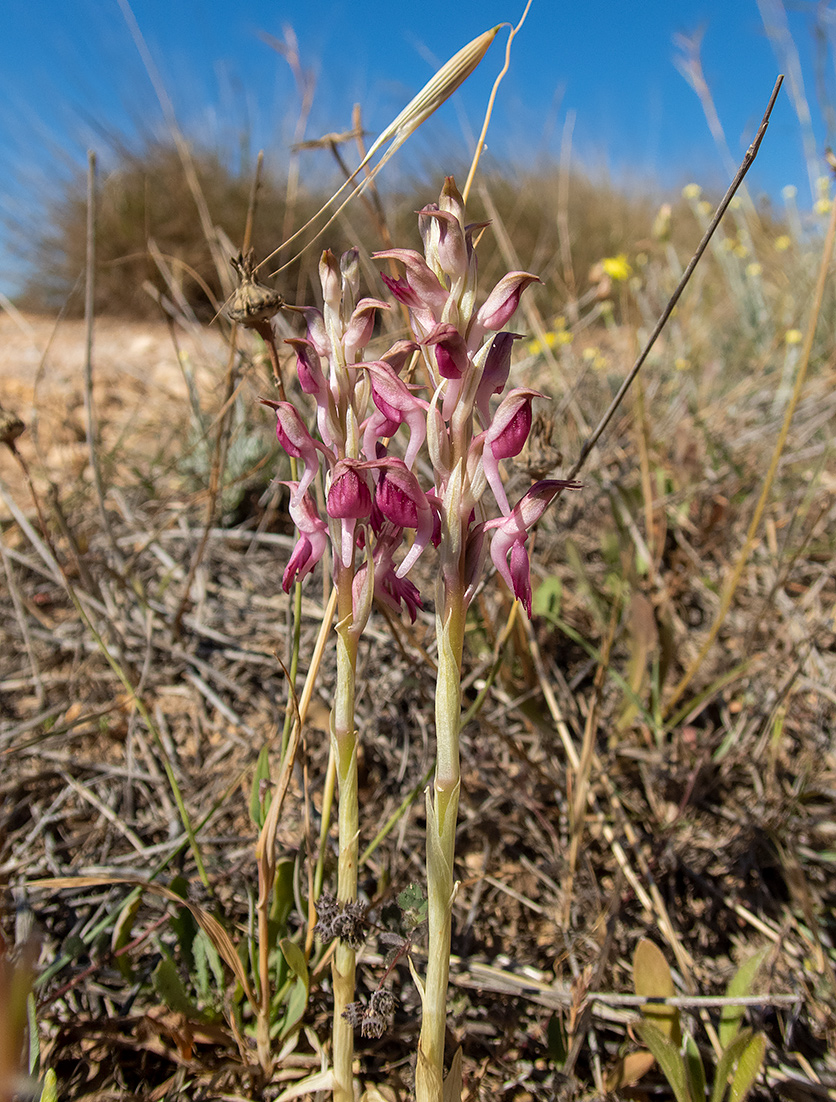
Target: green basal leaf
557, 1047
295, 958
297, 1002
731, 1017
669, 1059
694, 1069
170, 990
183, 922
727, 1062
652, 979
748, 1068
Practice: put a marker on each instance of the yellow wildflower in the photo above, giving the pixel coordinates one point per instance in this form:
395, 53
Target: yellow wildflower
754, 269
793, 336
691, 191
782, 242
617, 267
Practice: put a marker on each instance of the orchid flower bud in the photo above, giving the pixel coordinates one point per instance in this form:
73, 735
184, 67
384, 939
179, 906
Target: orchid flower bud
349, 281
449, 245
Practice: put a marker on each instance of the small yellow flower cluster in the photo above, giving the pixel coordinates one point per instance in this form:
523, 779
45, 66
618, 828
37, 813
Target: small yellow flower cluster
691, 192
595, 358
553, 338
793, 336
617, 267
782, 243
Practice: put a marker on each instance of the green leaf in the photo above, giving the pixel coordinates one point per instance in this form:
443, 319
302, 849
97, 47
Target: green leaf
652, 979
295, 958
548, 597
183, 922
413, 906
748, 1068
258, 802
556, 1044
169, 988
123, 934
50, 1088
297, 1002
283, 899
694, 1069
209, 978
731, 1017
727, 1062
669, 1059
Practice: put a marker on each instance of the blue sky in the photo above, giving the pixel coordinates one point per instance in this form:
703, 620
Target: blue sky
71, 79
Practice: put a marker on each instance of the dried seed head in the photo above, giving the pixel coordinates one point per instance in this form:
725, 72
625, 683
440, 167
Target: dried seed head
382, 1002
372, 1025
252, 303
377, 1014
350, 924
353, 1014
327, 914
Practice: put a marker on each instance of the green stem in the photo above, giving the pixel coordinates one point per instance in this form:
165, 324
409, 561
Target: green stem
344, 738
442, 813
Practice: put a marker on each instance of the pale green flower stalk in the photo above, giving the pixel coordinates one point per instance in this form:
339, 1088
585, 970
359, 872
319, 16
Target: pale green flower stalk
467, 360
336, 338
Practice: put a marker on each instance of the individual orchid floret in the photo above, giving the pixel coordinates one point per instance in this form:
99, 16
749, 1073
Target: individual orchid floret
505, 437
398, 355
444, 242
297, 442
501, 304
421, 291
511, 532
495, 373
390, 590
401, 501
450, 350
308, 367
358, 331
349, 496
349, 500
396, 405
312, 542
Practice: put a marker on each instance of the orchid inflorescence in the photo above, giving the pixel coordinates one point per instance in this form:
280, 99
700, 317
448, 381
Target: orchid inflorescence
373, 497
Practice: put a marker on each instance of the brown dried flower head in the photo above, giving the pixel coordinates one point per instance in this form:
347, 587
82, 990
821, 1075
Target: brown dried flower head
253, 303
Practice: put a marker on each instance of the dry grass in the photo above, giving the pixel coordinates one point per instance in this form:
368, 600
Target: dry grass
707, 827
